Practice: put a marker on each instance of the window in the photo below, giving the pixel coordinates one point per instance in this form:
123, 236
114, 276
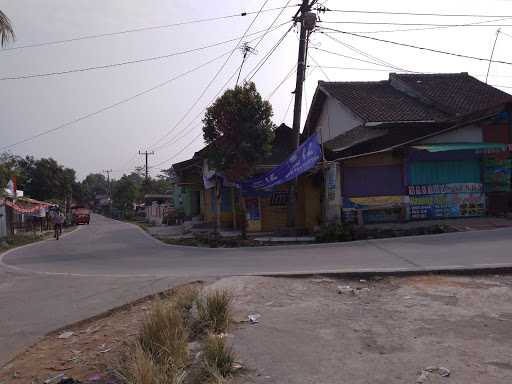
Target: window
279, 199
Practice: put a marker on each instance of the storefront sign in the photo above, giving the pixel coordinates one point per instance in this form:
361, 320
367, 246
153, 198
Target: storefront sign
301, 160
497, 174
375, 209
372, 202
435, 189
447, 205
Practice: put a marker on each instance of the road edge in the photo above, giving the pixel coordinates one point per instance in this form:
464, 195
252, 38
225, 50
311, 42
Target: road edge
7, 252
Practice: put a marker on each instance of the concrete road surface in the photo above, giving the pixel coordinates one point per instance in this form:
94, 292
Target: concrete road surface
50, 284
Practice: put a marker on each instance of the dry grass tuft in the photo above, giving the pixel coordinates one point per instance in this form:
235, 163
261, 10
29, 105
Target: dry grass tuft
218, 357
214, 311
141, 368
163, 335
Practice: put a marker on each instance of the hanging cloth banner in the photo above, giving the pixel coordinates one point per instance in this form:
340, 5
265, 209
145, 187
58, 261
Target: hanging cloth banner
32, 210
301, 160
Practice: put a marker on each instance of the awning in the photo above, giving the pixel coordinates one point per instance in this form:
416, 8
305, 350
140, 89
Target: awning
459, 147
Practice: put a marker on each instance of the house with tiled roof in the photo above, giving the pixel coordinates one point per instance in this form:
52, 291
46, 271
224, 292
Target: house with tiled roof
414, 146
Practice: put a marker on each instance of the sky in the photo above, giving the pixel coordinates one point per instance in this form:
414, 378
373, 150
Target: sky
167, 119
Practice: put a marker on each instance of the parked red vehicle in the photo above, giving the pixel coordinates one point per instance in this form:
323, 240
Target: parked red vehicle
81, 216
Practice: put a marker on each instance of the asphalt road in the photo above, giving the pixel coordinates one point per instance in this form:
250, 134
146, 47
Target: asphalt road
50, 284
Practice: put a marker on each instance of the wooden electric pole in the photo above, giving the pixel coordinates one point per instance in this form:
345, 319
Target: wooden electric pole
307, 22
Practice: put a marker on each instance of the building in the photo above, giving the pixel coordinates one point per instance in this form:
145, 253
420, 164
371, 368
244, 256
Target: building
157, 207
415, 146
266, 210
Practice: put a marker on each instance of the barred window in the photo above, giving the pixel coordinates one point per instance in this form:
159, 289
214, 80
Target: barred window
279, 198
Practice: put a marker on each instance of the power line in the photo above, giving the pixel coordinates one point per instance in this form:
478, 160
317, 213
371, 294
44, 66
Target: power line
349, 57
288, 108
347, 68
286, 77
142, 29
272, 24
433, 28
213, 79
111, 106
411, 13
179, 152
319, 67
177, 136
418, 47
129, 62
367, 55
262, 62
479, 24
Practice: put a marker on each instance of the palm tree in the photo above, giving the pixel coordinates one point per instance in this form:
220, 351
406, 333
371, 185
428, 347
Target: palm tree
6, 31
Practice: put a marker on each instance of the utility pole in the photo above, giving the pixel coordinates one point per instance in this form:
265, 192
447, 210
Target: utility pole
246, 50
146, 154
109, 188
307, 20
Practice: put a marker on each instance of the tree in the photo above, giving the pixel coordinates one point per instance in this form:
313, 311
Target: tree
6, 29
238, 129
47, 179
126, 191
93, 184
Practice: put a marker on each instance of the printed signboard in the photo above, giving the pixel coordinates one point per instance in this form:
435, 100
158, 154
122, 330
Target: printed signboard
447, 205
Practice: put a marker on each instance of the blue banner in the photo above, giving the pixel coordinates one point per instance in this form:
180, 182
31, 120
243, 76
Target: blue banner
300, 161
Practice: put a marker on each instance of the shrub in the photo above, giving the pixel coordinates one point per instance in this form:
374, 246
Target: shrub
214, 310
218, 357
331, 233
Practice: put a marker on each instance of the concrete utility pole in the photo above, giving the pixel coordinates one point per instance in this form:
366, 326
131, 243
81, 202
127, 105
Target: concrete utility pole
109, 188
146, 154
307, 21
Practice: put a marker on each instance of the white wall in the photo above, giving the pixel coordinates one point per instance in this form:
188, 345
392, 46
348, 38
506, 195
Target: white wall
469, 134
335, 119
3, 222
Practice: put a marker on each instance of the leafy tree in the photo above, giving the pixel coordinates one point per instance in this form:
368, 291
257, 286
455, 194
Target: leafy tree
93, 184
6, 29
239, 130
126, 191
238, 127
48, 180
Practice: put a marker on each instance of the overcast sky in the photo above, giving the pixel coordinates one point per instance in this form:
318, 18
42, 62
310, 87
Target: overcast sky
111, 139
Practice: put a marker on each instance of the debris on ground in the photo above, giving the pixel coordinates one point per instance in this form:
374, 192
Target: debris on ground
54, 379
425, 373
69, 381
65, 335
352, 290
253, 318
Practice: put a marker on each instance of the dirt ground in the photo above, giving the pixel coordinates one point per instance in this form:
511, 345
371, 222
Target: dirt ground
323, 331
388, 331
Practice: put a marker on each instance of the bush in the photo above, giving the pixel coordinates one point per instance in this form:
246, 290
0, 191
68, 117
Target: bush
218, 357
214, 311
331, 233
